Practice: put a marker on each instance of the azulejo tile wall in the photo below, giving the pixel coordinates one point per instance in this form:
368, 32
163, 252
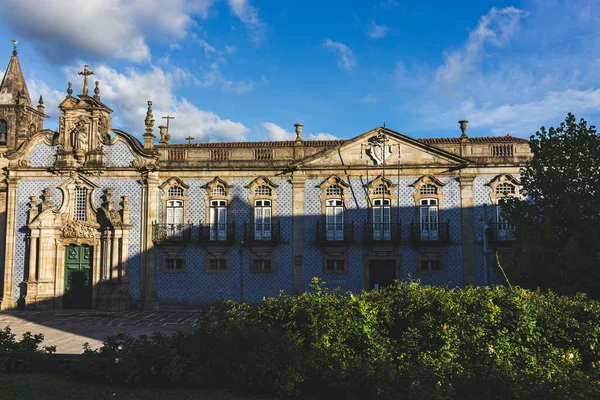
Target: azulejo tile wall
25, 189
43, 156
117, 155
132, 189
405, 213
195, 286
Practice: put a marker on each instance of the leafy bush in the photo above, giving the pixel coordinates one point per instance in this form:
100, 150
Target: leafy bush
24, 355
406, 341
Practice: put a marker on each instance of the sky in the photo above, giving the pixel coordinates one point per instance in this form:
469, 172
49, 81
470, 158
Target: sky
232, 70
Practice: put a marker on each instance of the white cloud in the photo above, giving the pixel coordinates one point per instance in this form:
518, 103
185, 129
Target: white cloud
214, 78
248, 14
127, 93
346, 57
107, 28
377, 31
493, 30
52, 97
275, 132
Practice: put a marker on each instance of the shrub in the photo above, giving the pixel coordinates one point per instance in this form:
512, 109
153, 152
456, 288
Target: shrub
406, 341
24, 355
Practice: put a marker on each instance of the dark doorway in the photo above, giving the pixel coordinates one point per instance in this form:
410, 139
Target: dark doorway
381, 273
78, 277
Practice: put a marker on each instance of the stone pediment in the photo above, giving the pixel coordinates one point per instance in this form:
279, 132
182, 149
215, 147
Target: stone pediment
382, 145
83, 102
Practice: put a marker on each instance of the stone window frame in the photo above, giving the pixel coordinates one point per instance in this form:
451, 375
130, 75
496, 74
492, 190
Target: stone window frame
332, 181
428, 180
258, 182
371, 196
68, 205
209, 187
261, 272
495, 197
167, 257
343, 258
211, 271
427, 256
5, 131
168, 184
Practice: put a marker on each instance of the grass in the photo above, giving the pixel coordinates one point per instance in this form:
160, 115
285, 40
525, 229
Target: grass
48, 386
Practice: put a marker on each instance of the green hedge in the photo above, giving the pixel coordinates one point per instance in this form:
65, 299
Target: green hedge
25, 355
406, 341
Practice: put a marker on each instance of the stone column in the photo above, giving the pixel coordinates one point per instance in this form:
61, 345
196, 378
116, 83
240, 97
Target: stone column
150, 182
467, 229
114, 275
298, 234
8, 301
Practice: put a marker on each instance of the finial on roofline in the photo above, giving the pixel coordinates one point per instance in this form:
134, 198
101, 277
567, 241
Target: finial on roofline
97, 91
463, 127
14, 42
298, 132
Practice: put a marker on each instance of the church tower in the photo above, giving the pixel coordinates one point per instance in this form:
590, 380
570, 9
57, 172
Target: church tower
18, 119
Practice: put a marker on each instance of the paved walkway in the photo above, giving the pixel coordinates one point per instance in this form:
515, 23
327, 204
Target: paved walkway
69, 330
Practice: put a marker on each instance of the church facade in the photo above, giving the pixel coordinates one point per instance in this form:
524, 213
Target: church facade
91, 217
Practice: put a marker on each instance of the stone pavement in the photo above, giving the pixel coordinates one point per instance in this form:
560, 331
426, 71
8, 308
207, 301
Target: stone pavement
68, 330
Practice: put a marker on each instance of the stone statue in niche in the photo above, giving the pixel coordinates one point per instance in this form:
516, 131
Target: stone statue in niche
79, 137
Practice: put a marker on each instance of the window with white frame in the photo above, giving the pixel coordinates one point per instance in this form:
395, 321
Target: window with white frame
428, 213
174, 228
381, 219
333, 190
218, 191
262, 191
80, 211
381, 189
262, 220
334, 219
218, 220
428, 189
334, 266
174, 264
175, 191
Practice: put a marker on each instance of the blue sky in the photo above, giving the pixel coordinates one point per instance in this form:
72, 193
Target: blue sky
250, 69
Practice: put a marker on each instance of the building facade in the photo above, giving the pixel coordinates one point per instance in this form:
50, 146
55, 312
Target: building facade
93, 218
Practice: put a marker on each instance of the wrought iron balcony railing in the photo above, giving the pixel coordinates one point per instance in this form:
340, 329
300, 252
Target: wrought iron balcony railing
430, 232
389, 232
172, 233
501, 232
217, 233
330, 232
262, 232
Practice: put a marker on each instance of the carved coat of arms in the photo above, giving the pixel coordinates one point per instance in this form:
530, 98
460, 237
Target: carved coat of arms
378, 149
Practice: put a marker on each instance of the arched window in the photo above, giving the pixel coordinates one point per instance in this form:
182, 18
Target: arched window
262, 191
428, 189
333, 190
505, 189
80, 199
218, 191
3, 131
382, 189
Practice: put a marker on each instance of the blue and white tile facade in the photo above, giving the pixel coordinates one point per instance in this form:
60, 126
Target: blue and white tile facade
196, 286
43, 156
405, 213
118, 155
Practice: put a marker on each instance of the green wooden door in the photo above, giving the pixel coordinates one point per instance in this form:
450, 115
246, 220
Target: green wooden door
78, 277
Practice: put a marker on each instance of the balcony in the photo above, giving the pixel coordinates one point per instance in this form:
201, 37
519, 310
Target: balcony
383, 232
335, 233
171, 233
501, 232
262, 233
217, 233
429, 233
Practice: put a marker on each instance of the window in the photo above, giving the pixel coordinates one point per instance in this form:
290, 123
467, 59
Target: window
262, 220
175, 191
262, 191
428, 189
503, 227
217, 265
80, 207
428, 212
262, 265
382, 189
334, 219
381, 219
430, 266
333, 190
335, 266
174, 228
3, 131
505, 189
174, 264
218, 191
218, 220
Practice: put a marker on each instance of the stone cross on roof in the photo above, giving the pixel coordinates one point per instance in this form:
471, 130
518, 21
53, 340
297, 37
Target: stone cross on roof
86, 72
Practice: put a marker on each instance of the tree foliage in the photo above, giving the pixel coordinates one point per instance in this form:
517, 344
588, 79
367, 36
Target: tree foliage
557, 225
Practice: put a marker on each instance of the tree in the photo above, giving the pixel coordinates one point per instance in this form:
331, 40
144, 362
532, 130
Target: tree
557, 225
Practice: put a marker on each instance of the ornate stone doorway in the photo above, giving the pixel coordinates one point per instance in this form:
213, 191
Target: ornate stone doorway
78, 277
